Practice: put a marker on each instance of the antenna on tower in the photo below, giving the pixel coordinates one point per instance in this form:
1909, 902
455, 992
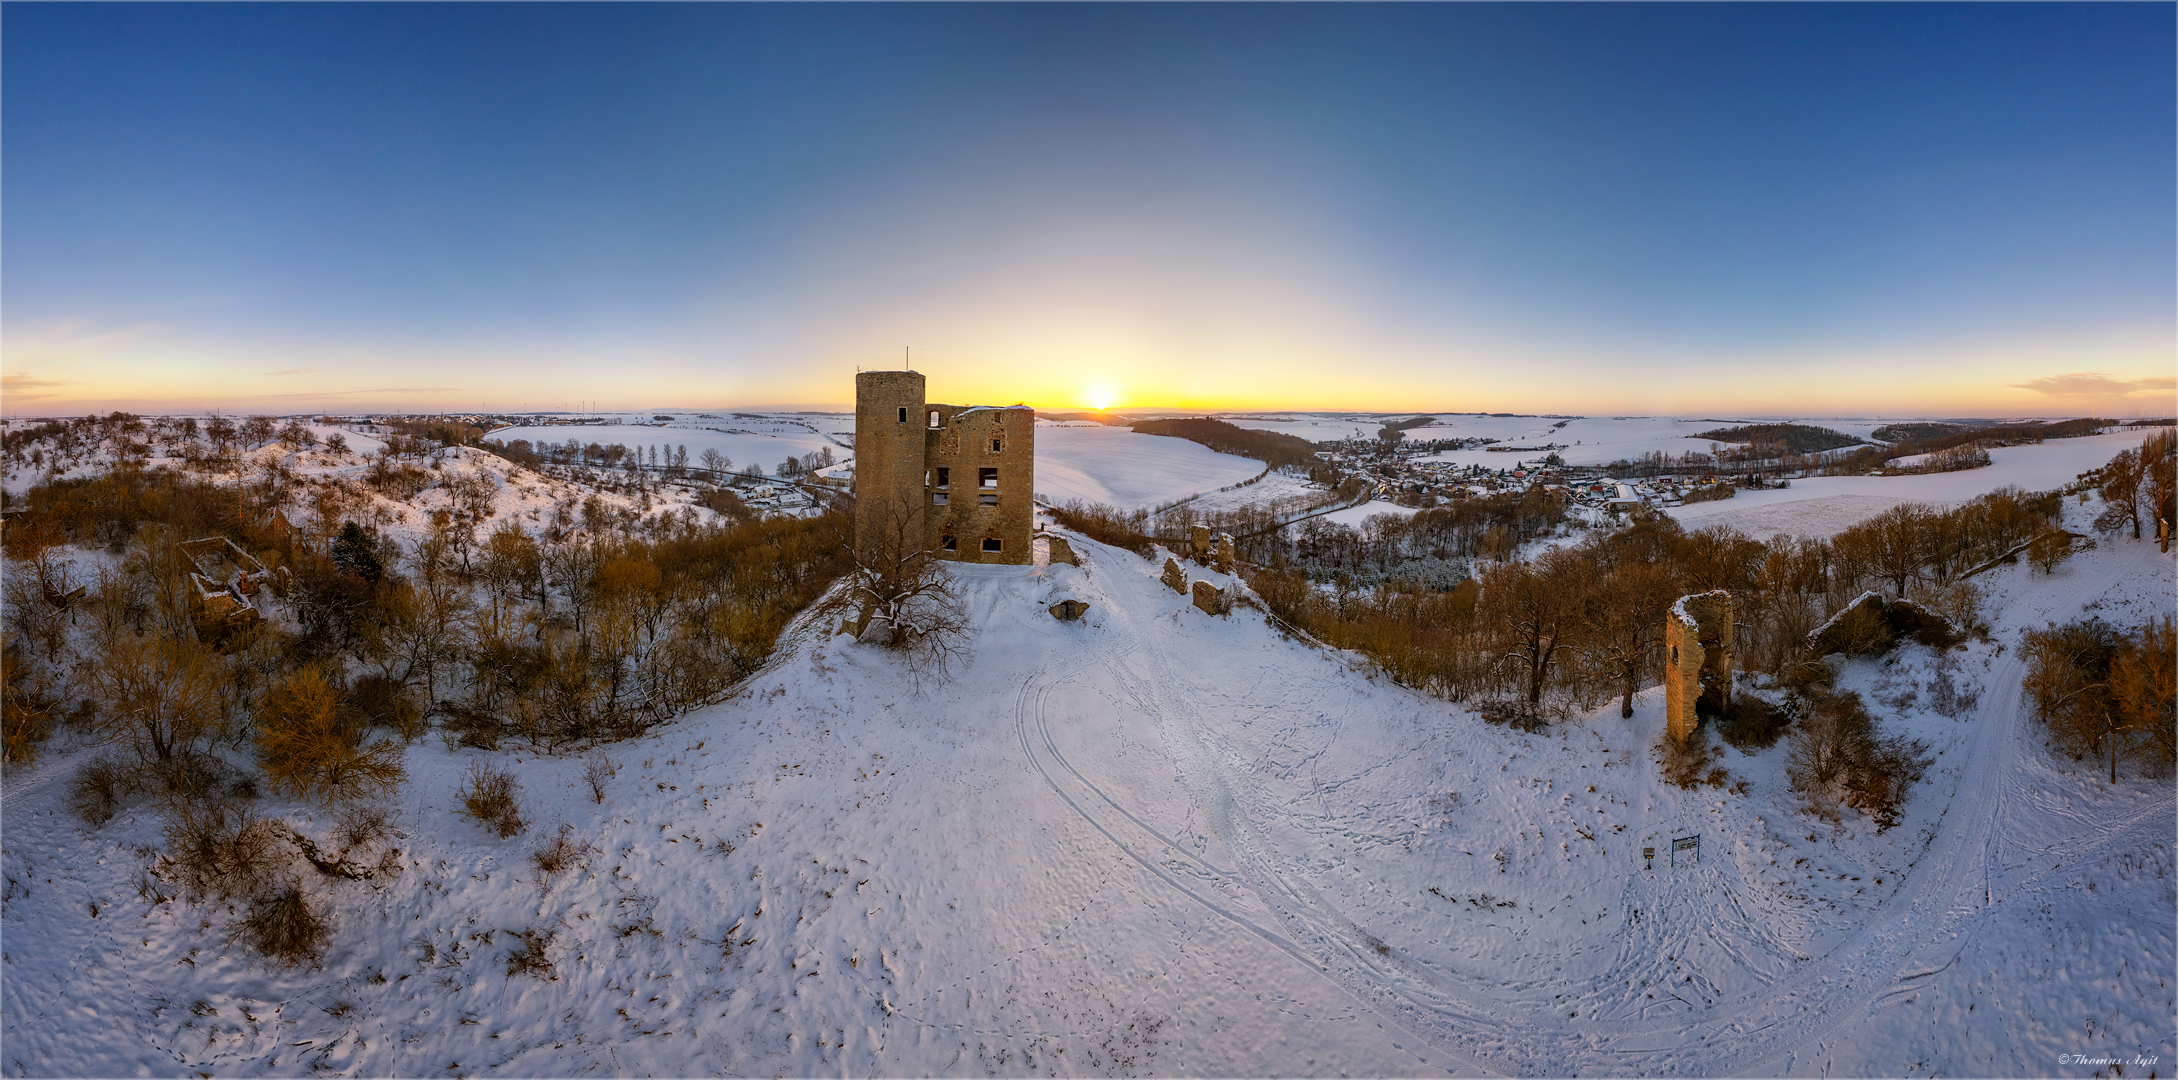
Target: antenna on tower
907, 353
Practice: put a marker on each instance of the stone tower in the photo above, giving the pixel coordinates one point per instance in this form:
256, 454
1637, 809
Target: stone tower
959, 480
1697, 661
888, 458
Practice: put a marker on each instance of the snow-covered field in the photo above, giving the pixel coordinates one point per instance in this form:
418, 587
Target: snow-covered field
1119, 467
744, 447
1154, 841
1823, 505
1588, 440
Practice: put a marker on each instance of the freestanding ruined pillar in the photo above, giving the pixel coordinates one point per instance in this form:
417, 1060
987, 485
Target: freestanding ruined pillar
1697, 661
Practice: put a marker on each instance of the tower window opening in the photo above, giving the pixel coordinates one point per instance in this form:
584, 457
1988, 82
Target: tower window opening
986, 500
933, 418
944, 478
987, 478
903, 414
997, 445
949, 544
990, 543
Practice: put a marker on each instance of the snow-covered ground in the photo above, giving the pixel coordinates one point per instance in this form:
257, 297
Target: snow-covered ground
744, 447
1158, 842
1120, 467
1154, 841
1588, 440
1353, 516
1823, 505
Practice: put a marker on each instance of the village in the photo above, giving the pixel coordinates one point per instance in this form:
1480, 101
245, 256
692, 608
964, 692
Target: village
1420, 475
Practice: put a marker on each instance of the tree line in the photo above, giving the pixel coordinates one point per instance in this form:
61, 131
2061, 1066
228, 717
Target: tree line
1582, 622
1270, 447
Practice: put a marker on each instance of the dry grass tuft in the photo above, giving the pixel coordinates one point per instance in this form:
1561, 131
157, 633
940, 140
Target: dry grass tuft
562, 853
531, 958
490, 796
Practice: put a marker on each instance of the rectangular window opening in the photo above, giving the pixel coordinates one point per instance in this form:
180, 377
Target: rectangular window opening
903, 414
949, 544
986, 500
987, 478
997, 445
937, 499
945, 477
990, 543
933, 418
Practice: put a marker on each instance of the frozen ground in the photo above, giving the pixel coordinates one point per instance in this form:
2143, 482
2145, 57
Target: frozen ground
1157, 842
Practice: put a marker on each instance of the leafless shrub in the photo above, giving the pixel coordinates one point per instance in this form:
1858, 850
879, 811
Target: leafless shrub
2049, 551
490, 797
216, 847
1839, 758
595, 772
361, 823
282, 926
1514, 713
309, 746
96, 791
532, 959
29, 704
563, 852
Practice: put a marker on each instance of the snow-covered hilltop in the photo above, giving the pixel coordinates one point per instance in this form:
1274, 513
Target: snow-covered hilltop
1150, 841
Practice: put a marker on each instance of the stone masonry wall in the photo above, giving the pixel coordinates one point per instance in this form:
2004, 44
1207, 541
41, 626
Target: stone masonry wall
963, 476
1697, 661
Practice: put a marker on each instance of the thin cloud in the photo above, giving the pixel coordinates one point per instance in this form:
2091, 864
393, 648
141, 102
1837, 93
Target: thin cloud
350, 393
2096, 384
289, 371
22, 386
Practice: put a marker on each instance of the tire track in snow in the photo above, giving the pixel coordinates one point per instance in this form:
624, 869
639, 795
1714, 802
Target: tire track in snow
1764, 1028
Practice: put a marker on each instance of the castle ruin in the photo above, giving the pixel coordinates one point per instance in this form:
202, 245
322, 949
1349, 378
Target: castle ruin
956, 480
1697, 661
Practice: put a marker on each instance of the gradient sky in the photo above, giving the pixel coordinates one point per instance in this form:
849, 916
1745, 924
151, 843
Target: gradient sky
1947, 209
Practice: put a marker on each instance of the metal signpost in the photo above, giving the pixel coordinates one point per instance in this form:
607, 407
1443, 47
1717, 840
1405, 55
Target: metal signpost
1686, 843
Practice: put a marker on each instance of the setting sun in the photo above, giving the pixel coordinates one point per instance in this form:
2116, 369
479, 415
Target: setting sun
1102, 396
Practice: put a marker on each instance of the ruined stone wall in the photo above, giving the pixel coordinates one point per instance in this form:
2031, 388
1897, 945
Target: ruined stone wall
965, 476
1697, 661
986, 457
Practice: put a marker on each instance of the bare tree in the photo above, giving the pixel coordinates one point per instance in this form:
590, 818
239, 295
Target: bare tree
901, 594
161, 699
2161, 451
1626, 621
2125, 494
258, 430
1535, 611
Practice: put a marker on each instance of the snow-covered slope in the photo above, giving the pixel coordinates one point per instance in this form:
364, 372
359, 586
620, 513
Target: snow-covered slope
744, 447
1823, 505
1156, 841
1123, 468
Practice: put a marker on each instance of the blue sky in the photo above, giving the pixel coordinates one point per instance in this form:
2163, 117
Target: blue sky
1950, 209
